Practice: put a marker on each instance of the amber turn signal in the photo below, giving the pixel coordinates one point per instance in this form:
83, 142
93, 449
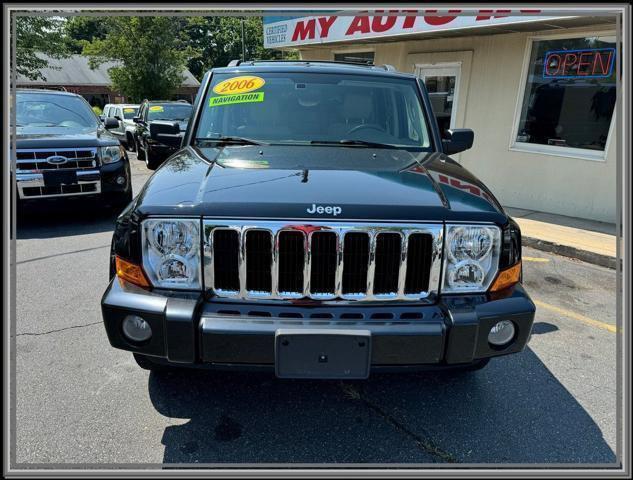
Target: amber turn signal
130, 272
507, 278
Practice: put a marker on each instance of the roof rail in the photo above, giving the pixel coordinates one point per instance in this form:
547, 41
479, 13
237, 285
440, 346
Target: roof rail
369, 63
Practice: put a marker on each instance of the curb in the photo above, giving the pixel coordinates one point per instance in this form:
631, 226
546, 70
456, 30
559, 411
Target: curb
572, 252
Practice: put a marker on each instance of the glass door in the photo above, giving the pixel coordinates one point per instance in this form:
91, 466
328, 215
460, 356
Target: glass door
442, 84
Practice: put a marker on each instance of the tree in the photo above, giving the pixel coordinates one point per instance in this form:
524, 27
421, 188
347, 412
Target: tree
43, 35
81, 30
218, 40
150, 54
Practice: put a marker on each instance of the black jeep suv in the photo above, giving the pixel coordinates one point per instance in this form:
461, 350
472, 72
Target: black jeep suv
313, 223
64, 151
154, 114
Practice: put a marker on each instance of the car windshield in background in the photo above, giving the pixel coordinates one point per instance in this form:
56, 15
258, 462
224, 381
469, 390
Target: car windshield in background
174, 111
49, 110
315, 108
129, 112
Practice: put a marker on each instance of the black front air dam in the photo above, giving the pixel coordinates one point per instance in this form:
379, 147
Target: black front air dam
190, 331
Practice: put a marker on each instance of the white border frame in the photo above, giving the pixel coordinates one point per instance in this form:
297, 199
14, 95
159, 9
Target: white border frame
569, 152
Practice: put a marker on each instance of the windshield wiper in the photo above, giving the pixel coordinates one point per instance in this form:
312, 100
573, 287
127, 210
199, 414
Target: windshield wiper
233, 140
360, 143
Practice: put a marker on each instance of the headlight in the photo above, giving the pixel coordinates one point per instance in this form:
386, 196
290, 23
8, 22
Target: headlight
111, 154
472, 258
171, 253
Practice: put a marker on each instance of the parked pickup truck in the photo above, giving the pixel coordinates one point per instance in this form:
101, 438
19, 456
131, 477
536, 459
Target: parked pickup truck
154, 114
63, 151
313, 223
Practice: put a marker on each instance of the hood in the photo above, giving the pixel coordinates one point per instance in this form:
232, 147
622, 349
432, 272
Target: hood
59, 137
301, 182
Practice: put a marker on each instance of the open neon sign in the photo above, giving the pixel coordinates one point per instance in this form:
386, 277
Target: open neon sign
589, 63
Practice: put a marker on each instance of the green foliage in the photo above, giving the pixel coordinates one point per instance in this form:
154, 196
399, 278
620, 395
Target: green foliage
150, 53
43, 35
97, 109
79, 31
218, 40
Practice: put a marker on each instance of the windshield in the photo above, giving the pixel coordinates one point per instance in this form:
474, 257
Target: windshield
129, 112
169, 111
304, 108
50, 110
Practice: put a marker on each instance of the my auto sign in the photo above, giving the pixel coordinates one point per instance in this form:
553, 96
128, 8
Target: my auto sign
380, 23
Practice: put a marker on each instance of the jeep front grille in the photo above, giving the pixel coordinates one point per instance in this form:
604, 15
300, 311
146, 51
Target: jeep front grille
277, 260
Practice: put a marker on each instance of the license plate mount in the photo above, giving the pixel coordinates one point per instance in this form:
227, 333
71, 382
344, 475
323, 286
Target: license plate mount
57, 178
322, 354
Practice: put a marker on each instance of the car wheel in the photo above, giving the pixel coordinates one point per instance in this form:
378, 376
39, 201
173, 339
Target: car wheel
151, 159
130, 143
146, 363
140, 153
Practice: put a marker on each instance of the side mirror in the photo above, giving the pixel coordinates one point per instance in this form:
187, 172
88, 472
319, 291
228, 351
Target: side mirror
111, 123
167, 133
117, 118
136, 119
458, 140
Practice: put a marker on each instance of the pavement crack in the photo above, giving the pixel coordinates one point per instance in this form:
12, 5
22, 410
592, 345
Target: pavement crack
37, 334
424, 444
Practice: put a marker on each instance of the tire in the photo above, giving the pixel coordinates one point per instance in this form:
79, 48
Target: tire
140, 153
129, 142
151, 159
146, 363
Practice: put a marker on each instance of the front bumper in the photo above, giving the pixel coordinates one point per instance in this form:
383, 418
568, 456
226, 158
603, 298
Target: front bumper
188, 330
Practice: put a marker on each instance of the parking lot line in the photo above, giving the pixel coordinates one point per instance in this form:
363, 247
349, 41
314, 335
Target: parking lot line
576, 316
536, 259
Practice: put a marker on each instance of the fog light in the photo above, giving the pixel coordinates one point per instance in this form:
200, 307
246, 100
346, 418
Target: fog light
120, 180
501, 333
136, 329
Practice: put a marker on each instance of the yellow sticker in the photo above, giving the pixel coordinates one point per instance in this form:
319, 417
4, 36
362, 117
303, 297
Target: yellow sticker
156, 108
243, 84
128, 110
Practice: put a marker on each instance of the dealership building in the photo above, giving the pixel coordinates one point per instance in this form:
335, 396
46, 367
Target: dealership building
538, 90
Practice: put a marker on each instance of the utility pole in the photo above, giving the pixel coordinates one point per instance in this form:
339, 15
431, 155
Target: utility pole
243, 43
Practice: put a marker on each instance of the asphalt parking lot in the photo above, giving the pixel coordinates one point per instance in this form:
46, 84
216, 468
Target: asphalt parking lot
79, 401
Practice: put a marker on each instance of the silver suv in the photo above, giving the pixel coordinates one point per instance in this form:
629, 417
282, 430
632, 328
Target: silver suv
123, 113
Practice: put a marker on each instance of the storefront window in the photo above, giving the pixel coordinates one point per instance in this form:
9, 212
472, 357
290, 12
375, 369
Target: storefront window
355, 57
570, 93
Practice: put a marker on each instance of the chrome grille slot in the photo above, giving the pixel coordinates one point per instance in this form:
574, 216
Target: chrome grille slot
326, 262
226, 246
291, 260
258, 261
323, 253
417, 279
386, 273
356, 262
